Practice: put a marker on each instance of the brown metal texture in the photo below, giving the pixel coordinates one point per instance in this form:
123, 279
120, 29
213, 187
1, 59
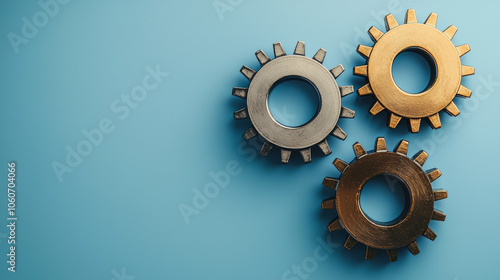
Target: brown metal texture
441, 53
413, 222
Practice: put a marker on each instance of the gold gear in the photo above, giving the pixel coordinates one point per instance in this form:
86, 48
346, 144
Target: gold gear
423, 38
420, 197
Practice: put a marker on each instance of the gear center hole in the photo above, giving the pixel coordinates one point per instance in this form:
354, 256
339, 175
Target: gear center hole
385, 199
293, 101
414, 71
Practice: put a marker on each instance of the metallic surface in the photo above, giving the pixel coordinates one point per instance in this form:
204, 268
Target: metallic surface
296, 66
420, 198
433, 44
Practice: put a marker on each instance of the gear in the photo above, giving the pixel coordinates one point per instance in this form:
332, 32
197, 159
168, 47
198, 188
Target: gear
413, 222
299, 66
434, 45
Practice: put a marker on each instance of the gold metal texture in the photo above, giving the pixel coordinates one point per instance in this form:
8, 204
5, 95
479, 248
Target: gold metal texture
437, 48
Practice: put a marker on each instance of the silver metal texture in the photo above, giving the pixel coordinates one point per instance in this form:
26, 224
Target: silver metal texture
296, 66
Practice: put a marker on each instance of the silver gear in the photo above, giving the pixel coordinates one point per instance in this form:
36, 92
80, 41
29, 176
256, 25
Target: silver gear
296, 66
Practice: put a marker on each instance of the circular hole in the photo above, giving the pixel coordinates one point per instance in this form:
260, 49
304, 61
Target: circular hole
293, 102
414, 71
384, 199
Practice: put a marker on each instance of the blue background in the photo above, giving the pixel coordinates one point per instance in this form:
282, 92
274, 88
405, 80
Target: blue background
116, 215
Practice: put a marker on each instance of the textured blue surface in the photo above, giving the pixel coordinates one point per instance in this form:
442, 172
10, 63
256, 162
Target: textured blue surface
116, 214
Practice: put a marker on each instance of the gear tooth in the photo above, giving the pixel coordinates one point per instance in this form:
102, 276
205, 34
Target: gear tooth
450, 31
370, 253
278, 50
411, 17
241, 114
306, 155
328, 204
340, 165
438, 215
247, 72
390, 22
433, 174
350, 242
376, 108
396, 113
339, 204
452, 109
300, 48
259, 128
399, 107
393, 254
402, 147
394, 120
468, 70
262, 57
414, 125
330, 183
346, 90
432, 20
359, 150
339, 133
335, 225
420, 157
365, 90
337, 70
463, 49
380, 145
413, 248
364, 50
361, 70
266, 148
320, 55
435, 121
428, 233
375, 34
325, 148
440, 194
250, 133
464, 92
285, 155
347, 113
240, 92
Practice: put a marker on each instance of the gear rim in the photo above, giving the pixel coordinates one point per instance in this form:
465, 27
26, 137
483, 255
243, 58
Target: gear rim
314, 130
359, 226
296, 66
448, 73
